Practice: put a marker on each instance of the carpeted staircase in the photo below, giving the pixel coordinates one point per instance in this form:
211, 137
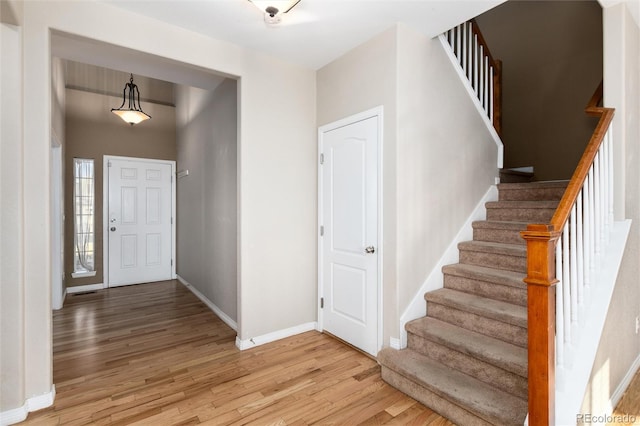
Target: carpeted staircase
467, 359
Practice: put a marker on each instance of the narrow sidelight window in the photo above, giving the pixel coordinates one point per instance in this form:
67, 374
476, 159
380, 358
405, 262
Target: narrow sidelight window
83, 219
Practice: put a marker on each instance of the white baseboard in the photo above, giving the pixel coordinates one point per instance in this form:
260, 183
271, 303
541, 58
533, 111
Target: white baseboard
224, 317
276, 335
435, 280
394, 343
35, 403
84, 288
624, 384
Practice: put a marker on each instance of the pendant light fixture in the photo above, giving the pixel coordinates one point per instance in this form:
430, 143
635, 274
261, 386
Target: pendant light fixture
133, 114
273, 9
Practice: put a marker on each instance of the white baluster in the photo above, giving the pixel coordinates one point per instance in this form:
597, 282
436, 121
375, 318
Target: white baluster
609, 141
475, 65
573, 258
592, 222
597, 235
463, 52
485, 103
580, 256
458, 40
491, 71
470, 52
480, 83
586, 191
566, 296
560, 362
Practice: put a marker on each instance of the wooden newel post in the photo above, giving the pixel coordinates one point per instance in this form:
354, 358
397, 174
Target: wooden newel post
541, 322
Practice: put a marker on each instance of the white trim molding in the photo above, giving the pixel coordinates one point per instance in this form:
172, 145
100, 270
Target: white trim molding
435, 280
34, 403
85, 288
276, 335
216, 310
467, 85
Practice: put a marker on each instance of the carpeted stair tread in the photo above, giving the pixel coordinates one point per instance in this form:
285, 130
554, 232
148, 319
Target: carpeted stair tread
482, 306
551, 190
493, 351
522, 204
493, 247
500, 224
482, 400
482, 273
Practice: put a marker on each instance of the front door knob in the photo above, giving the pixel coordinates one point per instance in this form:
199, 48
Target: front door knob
370, 250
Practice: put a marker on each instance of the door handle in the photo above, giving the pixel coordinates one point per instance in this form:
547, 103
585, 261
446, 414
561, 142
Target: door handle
113, 228
370, 250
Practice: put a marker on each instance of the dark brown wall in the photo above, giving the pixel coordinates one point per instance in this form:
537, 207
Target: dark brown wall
92, 131
552, 63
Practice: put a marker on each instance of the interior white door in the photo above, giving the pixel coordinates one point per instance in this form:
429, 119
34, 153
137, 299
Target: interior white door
140, 223
349, 246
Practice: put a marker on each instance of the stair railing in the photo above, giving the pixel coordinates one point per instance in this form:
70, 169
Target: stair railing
562, 258
481, 69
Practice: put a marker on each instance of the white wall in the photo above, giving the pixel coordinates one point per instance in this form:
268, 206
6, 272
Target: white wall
619, 349
439, 158
207, 210
446, 158
277, 178
11, 210
358, 81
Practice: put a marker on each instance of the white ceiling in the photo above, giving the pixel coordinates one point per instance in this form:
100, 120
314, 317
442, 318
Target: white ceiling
315, 32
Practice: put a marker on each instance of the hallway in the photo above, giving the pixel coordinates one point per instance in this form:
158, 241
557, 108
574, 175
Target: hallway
154, 354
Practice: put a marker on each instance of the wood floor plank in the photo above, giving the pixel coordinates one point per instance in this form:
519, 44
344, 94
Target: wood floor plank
153, 354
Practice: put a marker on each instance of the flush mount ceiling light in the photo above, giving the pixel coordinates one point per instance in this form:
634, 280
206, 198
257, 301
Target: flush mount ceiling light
133, 114
273, 9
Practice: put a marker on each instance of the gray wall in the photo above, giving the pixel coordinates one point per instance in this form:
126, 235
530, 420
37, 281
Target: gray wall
207, 198
552, 63
92, 131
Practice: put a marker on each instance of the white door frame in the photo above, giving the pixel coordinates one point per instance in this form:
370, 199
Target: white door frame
57, 225
374, 112
105, 211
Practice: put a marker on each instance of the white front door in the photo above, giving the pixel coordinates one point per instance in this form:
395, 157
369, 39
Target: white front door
349, 245
139, 221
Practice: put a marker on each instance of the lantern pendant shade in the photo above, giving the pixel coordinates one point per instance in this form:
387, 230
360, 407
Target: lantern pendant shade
133, 114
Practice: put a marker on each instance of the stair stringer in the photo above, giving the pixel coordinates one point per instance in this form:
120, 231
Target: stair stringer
476, 102
435, 280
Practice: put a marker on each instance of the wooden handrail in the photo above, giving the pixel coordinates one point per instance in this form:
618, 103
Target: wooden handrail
541, 280
561, 215
497, 78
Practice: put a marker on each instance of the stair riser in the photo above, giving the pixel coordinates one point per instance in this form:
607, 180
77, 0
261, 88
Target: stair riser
488, 373
498, 236
540, 194
494, 260
515, 295
540, 215
438, 404
488, 326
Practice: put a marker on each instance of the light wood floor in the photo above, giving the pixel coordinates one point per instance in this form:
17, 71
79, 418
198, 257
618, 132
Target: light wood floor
154, 354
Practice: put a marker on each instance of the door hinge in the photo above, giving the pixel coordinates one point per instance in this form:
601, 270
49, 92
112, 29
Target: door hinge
171, 262
322, 231
172, 221
321, 158
322, 303
108, 163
